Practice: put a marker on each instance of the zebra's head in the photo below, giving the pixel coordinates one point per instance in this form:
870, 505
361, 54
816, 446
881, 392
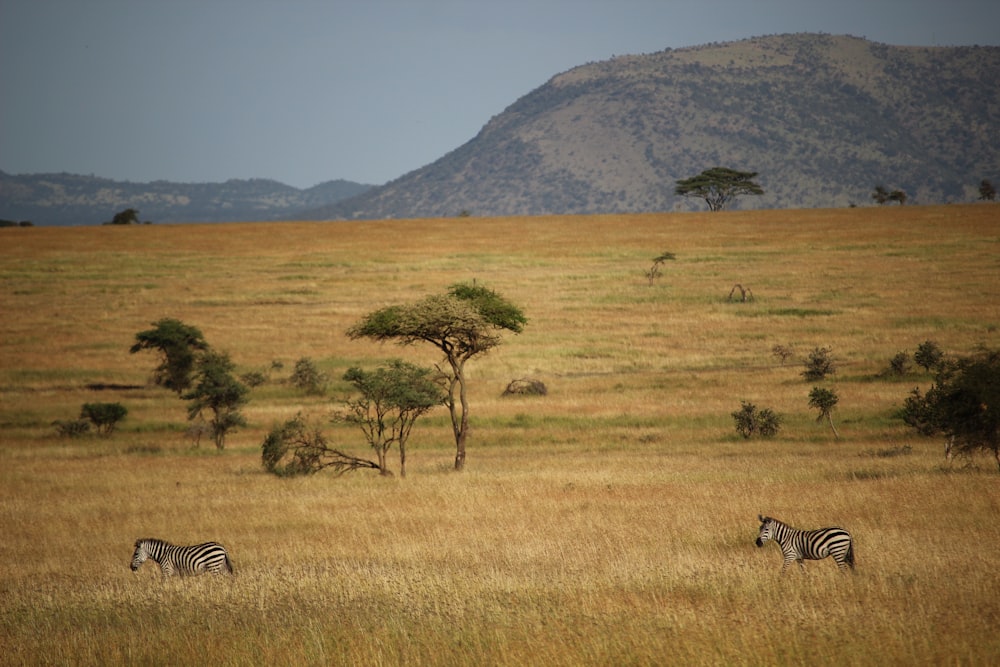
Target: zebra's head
766, 530
140, 555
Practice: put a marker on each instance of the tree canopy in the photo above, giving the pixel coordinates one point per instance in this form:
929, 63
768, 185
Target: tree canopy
179, 345
466, 321
963, 404
719, 186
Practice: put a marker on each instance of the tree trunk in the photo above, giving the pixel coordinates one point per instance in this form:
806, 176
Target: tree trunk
829, 418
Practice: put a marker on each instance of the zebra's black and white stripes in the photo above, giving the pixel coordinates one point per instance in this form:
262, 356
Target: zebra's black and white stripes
198, 559
799, 545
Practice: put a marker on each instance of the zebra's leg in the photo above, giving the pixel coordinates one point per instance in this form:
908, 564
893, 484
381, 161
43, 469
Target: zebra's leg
167, 567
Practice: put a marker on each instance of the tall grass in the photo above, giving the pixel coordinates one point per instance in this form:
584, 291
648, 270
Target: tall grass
609, 522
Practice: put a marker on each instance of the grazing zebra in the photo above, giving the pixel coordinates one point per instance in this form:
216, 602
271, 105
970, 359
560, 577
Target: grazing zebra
798, 545
172, 559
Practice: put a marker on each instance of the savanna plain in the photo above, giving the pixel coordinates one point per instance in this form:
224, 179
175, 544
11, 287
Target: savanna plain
609, 522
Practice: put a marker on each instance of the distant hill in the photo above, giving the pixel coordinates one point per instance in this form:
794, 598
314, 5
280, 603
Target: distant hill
69, 199
823, 119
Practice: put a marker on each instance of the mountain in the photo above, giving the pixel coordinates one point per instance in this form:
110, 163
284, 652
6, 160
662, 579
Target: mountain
69, 199
823, 119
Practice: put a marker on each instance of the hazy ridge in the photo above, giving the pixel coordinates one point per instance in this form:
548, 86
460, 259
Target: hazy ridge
822, 118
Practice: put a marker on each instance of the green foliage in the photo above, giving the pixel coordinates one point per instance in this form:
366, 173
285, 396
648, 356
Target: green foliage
216, 390
392, 398
178, 345
963, 404
718, 186
104, 416
819, 364
465, 322
824, 400
928, 355
307, 377
750, 422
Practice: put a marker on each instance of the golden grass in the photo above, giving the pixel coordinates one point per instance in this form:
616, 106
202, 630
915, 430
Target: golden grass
610, 522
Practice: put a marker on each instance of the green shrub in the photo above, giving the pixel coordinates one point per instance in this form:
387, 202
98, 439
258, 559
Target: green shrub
750, 422
104, 416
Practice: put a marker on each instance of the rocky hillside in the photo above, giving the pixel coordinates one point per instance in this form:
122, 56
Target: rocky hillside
823, 119
67, 199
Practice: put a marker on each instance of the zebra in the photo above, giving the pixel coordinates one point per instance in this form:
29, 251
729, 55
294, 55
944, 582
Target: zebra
172, 559
798, 545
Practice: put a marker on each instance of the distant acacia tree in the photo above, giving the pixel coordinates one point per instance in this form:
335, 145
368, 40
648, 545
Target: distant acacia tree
824, 400
719, 186
179, 345
986, 191
655, 271
215, 389
129, 216
883, 196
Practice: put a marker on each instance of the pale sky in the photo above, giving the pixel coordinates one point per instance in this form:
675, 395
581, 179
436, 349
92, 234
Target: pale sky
306, 91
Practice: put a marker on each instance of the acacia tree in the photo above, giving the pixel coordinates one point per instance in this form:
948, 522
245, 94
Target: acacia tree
463, 323
391, 400
718, 186
216, 390
986, 191
179, 345
824, 400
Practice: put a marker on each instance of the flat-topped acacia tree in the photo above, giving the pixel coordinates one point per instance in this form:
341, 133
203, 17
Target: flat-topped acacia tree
465, 322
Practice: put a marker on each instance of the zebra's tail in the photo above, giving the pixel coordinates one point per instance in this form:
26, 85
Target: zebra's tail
849, 558
229, 565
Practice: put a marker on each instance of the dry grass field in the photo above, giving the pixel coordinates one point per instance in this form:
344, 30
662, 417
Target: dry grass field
610, 522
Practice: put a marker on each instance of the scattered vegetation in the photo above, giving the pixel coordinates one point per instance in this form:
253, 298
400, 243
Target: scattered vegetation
634, 439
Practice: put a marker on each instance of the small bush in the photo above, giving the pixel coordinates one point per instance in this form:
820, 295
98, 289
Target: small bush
307, 377
253, 379
819, 364
71, 428
899, 365
928, 355
750, 422
783, 352
104, 416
